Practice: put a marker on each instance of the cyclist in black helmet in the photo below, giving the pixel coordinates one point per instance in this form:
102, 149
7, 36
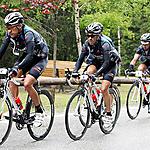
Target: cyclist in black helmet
32, 52
142, 54
102, 59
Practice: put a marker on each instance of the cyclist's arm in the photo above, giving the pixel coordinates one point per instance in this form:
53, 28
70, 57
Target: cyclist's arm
81, 58
4, 46
135, 58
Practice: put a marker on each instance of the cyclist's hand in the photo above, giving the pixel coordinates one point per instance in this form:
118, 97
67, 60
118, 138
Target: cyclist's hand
13, 71
131, 68
93, 77
75, 74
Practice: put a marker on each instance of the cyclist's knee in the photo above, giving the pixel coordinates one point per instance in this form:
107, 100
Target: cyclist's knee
104, 91
105, 86
12, 84
142, 67
91, 69
27, 85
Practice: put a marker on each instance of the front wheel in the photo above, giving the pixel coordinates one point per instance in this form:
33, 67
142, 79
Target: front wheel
77, 115
47, 104
114, 112
5, 119
134, 100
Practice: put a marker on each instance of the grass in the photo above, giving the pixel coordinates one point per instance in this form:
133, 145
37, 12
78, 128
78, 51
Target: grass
61, 98
124, 88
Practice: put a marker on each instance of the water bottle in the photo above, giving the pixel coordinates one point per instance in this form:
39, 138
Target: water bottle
145, 89
94, 98
19, 103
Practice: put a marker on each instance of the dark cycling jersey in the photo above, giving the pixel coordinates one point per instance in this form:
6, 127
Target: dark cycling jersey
142, 52
98, 54
29, 42
144, 55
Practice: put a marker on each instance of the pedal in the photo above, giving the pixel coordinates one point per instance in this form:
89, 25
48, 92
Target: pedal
30, 120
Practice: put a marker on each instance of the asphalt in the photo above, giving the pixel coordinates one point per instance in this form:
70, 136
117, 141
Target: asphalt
127, 135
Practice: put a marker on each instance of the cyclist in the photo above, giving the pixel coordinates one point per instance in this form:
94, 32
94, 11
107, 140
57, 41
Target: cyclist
102, 59
142, 54
32, 52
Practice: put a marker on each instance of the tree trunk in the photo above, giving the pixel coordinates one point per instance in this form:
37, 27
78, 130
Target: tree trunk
77, 26
55, 53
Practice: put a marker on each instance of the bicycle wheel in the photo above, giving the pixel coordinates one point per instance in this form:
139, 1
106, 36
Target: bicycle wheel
47, 103
5, 119
117, 92
77, 115
114, 112
134, 101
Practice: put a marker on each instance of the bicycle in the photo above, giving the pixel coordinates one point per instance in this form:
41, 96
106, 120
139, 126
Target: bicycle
82, 111
137, 93
23, 118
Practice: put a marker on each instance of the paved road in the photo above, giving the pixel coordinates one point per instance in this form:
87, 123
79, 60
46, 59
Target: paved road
127, 135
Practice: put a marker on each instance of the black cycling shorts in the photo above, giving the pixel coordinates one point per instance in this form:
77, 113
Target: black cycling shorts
36, 67
109, 73
147, 63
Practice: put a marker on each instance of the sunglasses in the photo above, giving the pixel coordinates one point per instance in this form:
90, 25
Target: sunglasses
92, 36
10, 27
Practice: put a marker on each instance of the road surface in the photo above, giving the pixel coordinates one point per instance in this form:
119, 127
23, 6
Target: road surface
127, 135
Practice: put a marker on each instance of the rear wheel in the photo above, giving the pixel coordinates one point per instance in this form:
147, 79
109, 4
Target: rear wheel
5, 119
117, 92
47, 103
134, 100
77, 115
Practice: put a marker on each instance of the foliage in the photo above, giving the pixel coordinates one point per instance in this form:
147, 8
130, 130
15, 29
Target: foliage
131, 16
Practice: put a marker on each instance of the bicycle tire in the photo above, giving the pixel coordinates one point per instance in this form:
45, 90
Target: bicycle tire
5, 120
47, 104
134, 106
119, 98
77, 129
114, 113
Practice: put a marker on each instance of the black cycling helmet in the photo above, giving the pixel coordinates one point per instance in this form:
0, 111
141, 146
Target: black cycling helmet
145, 38
94, 28
13, 18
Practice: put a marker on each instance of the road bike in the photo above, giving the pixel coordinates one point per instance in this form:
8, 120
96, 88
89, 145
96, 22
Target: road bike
23, 118
86, 106
138, 93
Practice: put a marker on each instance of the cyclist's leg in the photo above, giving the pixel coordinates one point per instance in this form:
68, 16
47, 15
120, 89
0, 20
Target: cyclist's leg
143, 67
91, 69
108, 99
13, 87
106, 83
30, 79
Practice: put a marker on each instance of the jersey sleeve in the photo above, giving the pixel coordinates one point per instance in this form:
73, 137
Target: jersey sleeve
4, 45
139, 50
81, 58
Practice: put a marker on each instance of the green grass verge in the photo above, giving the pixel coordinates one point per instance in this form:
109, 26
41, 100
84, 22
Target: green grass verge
61, 99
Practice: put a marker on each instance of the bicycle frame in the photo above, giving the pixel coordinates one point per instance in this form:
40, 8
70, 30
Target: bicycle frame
141, 87
89, 85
